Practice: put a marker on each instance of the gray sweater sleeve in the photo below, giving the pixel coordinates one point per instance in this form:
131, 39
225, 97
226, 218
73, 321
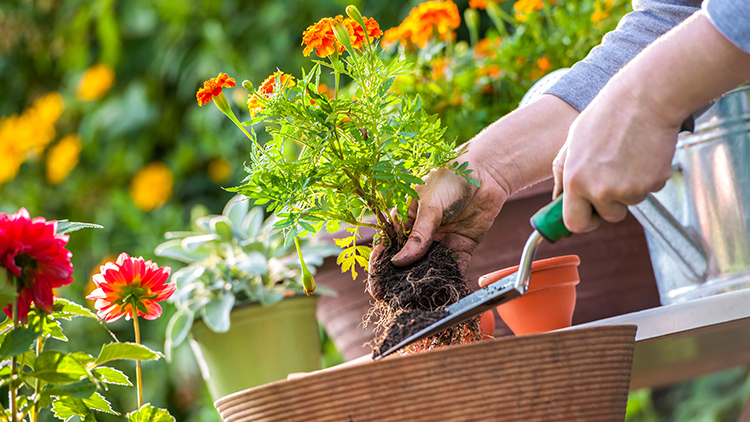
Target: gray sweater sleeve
649, 20
732, 19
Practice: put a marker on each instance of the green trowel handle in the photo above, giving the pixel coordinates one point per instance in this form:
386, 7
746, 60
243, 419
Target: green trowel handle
548, 221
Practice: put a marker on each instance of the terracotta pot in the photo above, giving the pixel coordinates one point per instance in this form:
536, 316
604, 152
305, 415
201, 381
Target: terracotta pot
570, 375
548, 303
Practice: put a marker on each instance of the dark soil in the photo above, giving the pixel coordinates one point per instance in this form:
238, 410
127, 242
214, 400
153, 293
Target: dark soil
414, 297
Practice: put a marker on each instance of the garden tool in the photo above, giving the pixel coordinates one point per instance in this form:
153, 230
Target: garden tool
548, 224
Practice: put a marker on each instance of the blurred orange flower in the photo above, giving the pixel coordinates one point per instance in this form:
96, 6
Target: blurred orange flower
542, 66
151, 187
487, 48
482, 4
525, 7
212, 88
423, 21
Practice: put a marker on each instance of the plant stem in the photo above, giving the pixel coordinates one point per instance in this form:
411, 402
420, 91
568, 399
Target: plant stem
38, 383
13, 371
138, 376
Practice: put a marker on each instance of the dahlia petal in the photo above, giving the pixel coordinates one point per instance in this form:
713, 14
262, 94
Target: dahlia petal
153, 308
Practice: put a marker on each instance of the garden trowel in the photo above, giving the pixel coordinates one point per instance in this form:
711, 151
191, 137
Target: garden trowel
548, 224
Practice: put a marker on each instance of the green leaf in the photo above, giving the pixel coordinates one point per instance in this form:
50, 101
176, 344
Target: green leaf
81, 389
148, 413
65, 226
56, 367
216, 313
67, 407
8, 291
99, 403
253, 221
109, 375
187, 275
191, 243
70, 308
129, 351
18, 341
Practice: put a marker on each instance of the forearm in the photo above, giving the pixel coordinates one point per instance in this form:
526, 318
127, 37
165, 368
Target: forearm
696, 64
517, 150
649, 20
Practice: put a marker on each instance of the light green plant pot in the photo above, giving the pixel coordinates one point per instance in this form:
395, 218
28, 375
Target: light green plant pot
263, 344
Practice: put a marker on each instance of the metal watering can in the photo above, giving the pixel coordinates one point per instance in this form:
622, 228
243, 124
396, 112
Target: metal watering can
702, 245
698, 226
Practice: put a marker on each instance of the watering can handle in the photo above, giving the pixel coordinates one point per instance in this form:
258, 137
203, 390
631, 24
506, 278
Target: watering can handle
548, 221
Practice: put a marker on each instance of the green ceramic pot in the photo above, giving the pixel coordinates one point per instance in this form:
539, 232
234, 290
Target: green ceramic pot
263, 344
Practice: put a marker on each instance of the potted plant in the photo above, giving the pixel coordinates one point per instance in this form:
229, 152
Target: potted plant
333, 160
240, 299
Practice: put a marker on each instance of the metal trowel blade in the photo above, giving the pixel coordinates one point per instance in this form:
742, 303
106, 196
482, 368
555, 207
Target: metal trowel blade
488, 297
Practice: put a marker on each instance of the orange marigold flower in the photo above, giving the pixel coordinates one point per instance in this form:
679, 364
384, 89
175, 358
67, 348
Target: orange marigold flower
357, 33
130, 287
320, 36
543, 65
422, 22
212, 88
278, 79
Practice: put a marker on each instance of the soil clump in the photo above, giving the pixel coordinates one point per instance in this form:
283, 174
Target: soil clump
414, 297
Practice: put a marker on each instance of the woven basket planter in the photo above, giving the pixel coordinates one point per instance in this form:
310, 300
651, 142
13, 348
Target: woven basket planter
580, 375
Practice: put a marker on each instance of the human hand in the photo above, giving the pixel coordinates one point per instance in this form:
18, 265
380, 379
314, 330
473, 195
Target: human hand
616, 152
513, 153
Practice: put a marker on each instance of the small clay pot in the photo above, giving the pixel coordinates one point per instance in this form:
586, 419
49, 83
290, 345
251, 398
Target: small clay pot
549, 302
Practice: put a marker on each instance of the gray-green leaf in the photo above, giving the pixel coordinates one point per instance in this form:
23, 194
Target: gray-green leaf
216, 313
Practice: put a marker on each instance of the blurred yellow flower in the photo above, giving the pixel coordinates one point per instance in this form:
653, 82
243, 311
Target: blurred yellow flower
601, 12
29, 132
152, 186
524, 8
96, 81
62, 158
218, 170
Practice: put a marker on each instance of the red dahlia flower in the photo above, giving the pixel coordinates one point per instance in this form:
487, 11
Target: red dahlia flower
35, 254
129, 284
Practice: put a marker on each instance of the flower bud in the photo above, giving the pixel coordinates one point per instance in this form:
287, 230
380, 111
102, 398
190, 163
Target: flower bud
353, 13
308, 282
342, 35
471, 17
247, 85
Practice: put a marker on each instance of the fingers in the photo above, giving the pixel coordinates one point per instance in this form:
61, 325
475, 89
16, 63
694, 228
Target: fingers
423, 229
558, 166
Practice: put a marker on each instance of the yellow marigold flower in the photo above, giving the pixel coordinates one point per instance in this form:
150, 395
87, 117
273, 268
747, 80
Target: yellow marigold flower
218, 170
96, 81
423, 21
152, 186
62, 158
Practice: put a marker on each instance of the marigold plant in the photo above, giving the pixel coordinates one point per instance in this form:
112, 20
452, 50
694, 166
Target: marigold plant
359, 153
